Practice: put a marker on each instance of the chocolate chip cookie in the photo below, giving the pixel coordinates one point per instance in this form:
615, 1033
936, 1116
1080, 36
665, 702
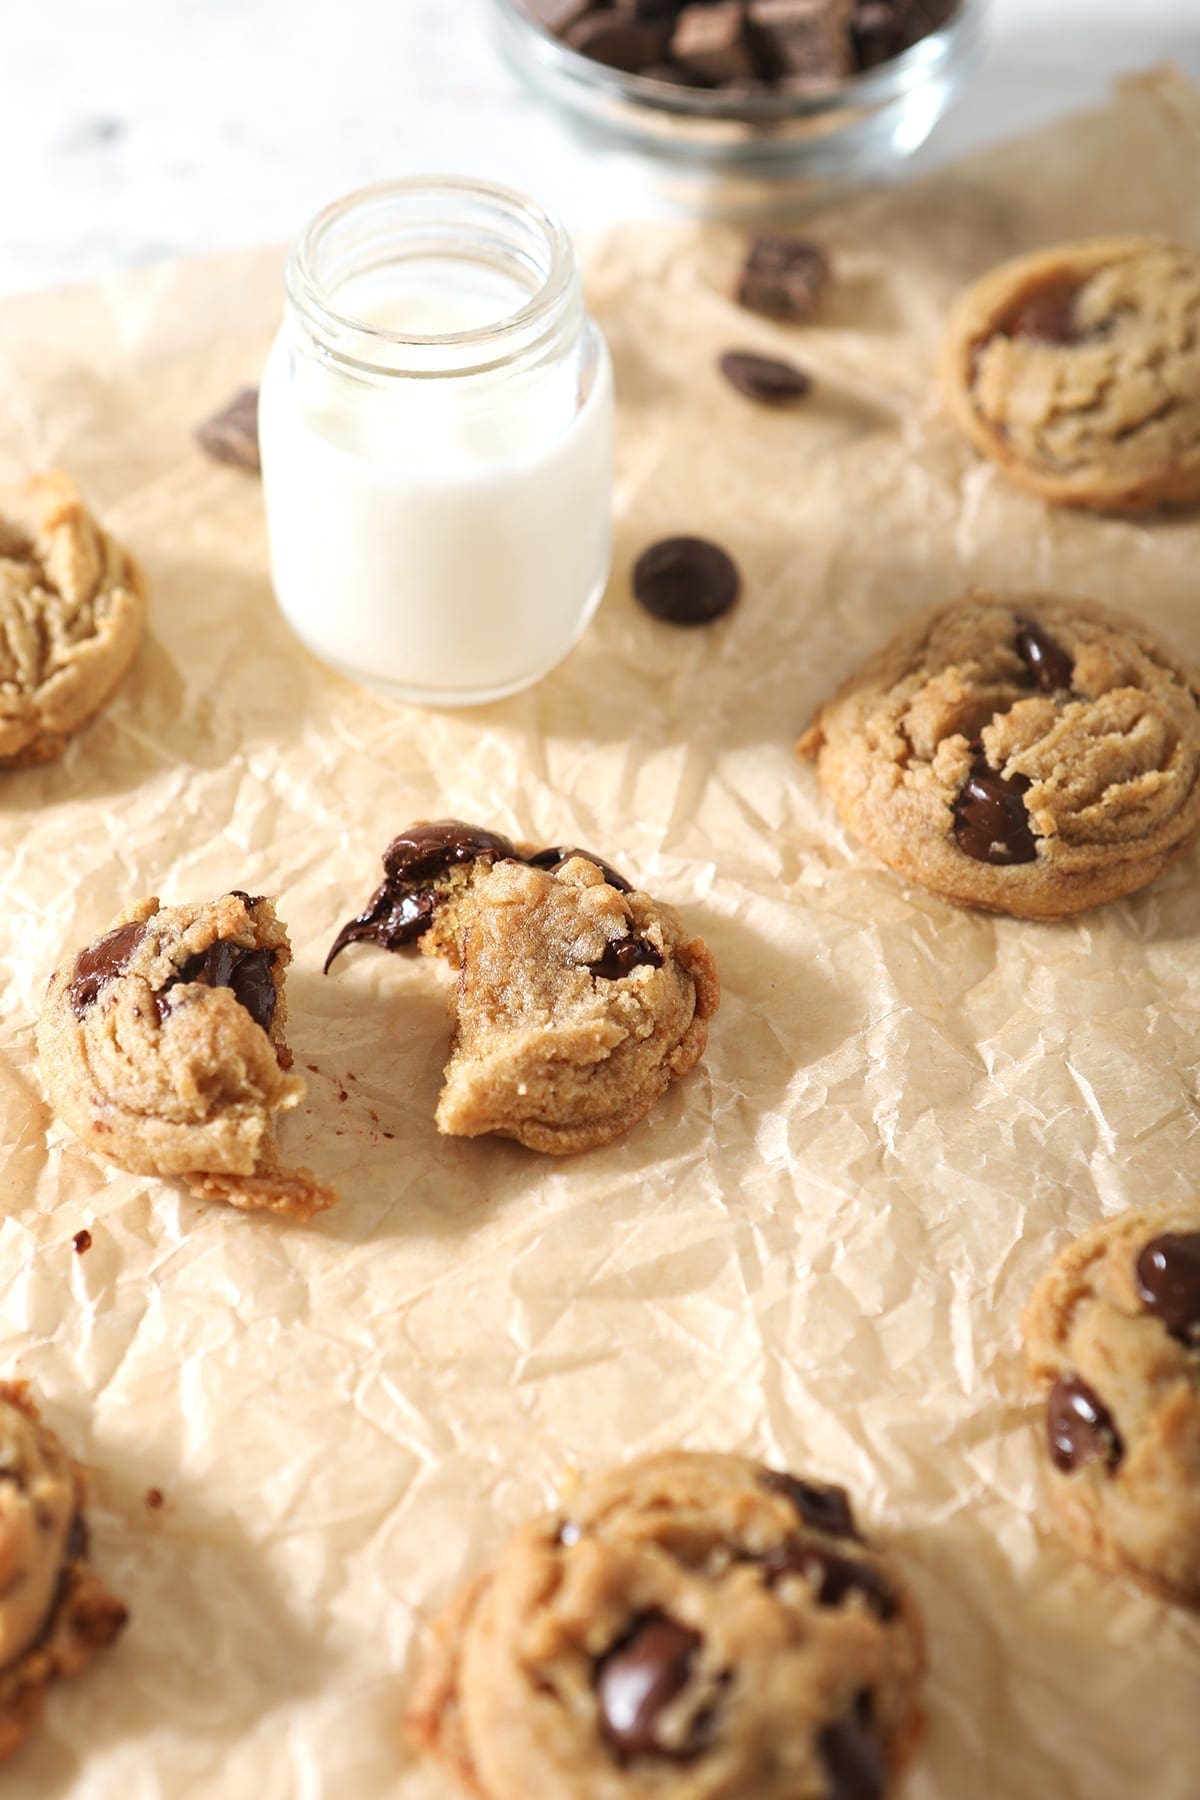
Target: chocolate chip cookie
72, 608
162, 1046
1018, 752
1078, 370
691, 1626
578, 1001
1112, 1333
55, 1612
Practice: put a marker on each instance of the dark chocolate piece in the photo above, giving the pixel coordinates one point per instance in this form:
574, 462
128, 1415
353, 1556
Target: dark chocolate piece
638, 1678
822, 1506
1168, 1279
686, 581
619, 43
554, 857
623, 955
102, 962
246, 972
401, 909
767, 379
82, 1241
231, 436
1046, 314
711, 42
1079, 1427
784, 276
852, 1758
805, 43
1044, 657
831, 1577
991, 822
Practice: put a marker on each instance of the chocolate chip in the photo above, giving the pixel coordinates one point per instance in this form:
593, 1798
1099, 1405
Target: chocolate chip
784, 276
626, 44
246, 972
991, 822
802, 42
766, 379
641, 1676
623, 955
401, 910
831, 1577
231, 436
1044, 657
102, 962
710, 41
824, 1507
686, 581
82, 1241
1079, 1427
852, 1758
1046, 315
1168, 1279
554, 857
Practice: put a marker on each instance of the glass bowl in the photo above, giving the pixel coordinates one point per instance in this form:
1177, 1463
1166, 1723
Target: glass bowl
756, 147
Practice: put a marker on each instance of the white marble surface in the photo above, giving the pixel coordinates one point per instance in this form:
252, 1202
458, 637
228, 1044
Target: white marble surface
141, 129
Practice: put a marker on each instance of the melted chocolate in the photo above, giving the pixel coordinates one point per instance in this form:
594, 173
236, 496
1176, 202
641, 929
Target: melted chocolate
824, 1508
1079, 1427
102, 962
1047, 314
641, 1676
831, 1577
623, 955
991, 822
1168, 1279
558, 854
1044, 657
247, 973
851, 1756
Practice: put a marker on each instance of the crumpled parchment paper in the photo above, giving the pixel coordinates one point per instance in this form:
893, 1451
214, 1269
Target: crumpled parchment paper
817, 1247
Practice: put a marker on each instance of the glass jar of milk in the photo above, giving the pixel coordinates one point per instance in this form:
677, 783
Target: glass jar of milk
436, 429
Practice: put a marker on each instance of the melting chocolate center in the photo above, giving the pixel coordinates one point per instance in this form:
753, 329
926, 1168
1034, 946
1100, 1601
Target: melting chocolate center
1044, 657
247, 973
639, 1678
991, 822
1079, 1427
623, 955
1168, 1279
824, 1508
102, 962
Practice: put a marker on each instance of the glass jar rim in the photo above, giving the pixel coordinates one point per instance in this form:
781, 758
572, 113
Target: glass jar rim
514, 334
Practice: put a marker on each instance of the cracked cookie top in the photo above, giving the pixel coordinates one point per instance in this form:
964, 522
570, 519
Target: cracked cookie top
72, 608
1024, 753
1078, 369
691, 1625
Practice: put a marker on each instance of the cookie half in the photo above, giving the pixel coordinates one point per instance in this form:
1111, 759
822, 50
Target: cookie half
55, 1612
1024, 753
579, 1000
1112, 1335
691, 1625
72, 611
1078, 370
162, 1046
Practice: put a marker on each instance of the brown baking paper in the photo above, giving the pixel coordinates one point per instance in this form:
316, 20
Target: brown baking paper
816, 1248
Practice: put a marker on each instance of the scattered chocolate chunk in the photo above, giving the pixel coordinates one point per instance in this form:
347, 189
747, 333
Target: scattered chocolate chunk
1047, 314
686, 581
710, 42
767, 379
1168, 1279
231, 436
155, 1499
1044, 657
783, 276
803, 42
82, 1241
831, 1577
246, 972
1079, 1427
102, 962
991, 822
824, 1508
558, 854
619, 43
401, 910
852, 1758
623, 955
639, 1677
